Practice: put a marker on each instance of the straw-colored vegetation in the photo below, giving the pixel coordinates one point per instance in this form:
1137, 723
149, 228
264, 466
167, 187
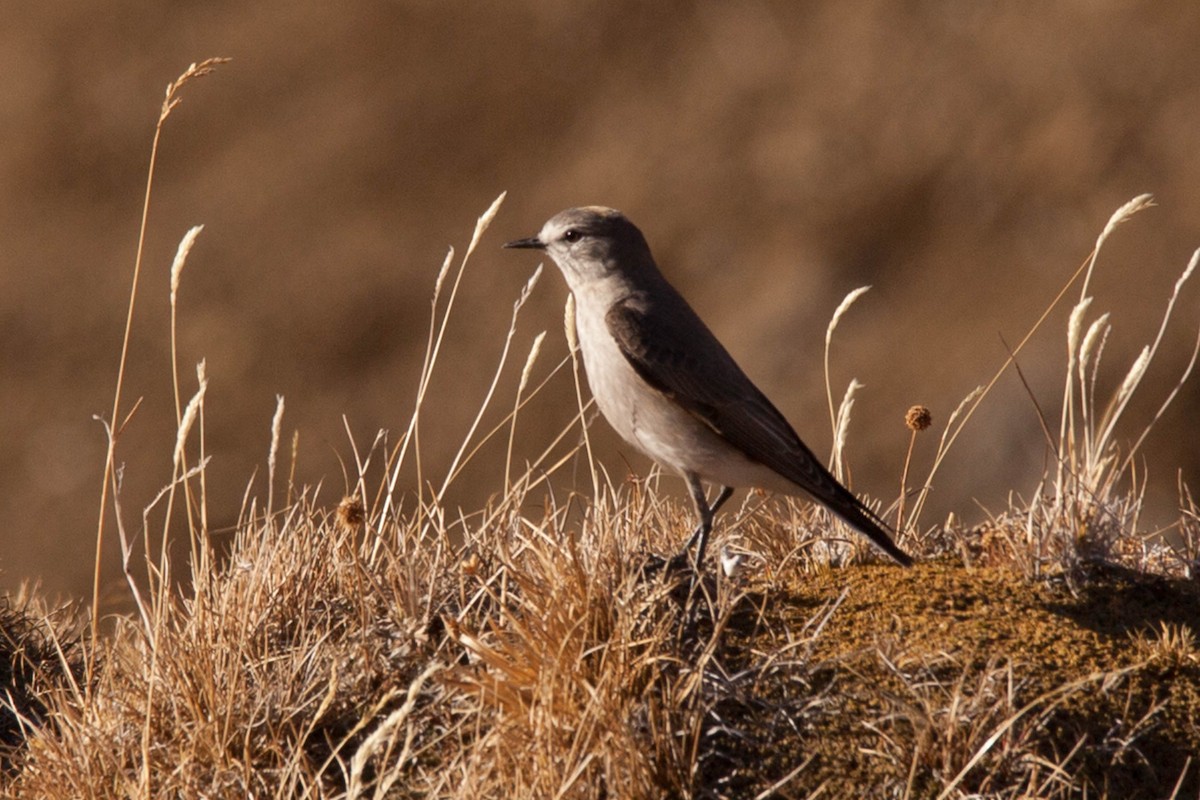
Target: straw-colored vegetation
391, 646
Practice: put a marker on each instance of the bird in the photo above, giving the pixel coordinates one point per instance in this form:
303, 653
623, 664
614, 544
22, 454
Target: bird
670, 388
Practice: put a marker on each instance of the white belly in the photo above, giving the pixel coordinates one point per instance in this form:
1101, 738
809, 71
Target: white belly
654, 423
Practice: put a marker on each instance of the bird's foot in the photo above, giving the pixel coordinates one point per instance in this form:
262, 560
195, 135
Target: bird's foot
672, 566
684, 562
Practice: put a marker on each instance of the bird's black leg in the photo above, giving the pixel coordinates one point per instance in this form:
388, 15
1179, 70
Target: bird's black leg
705, 512
726, 491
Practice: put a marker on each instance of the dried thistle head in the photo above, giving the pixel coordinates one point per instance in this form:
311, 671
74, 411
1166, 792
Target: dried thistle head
350, 512
918, 418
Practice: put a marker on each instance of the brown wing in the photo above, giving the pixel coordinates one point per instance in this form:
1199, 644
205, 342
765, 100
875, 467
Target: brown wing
672, 349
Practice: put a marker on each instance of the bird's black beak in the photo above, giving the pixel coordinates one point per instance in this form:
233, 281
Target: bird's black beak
532, 243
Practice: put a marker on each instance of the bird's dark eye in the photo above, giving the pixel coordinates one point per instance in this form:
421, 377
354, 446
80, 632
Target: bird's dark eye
572, 236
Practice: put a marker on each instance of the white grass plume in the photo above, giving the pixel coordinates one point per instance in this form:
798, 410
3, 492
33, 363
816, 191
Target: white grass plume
842, 308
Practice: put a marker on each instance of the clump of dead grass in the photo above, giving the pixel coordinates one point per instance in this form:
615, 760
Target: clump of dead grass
1089, 505
39, 653
1089, 510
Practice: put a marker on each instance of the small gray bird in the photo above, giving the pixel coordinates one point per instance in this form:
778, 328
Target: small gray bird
665, 383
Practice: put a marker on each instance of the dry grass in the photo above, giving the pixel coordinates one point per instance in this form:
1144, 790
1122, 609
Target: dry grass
541, 647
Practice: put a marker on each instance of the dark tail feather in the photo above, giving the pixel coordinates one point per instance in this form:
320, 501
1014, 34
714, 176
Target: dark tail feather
863, 520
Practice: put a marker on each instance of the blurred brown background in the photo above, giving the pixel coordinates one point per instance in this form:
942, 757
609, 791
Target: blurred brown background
959, 157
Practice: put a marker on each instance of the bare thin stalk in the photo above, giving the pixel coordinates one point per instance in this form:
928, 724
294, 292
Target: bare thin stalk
512, 428
453, 471
432, 349
912, 440
181, 255
573, 346
842, 308
1121, 399
171, 100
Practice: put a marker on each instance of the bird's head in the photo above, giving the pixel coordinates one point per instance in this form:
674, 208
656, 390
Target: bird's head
592, 243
